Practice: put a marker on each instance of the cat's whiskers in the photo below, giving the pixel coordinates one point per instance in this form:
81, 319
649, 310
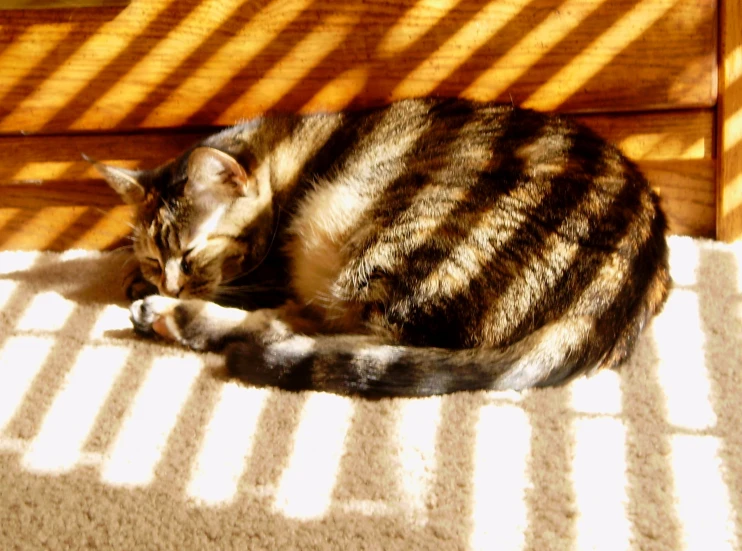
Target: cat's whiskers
122, 248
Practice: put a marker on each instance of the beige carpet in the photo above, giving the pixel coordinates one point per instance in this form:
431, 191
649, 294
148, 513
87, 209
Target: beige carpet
112, 442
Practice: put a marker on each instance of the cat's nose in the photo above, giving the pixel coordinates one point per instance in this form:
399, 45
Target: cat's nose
171, 290
172, 281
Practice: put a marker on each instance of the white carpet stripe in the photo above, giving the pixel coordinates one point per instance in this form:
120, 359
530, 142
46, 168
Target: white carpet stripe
151, 417
702, 498
17, 261
685, 258
599, 478
227, 444
112, 317
72, 415
21, 360
305, 489
47, 312
682, 371
7, 290
598, 394
500, 514
416, 440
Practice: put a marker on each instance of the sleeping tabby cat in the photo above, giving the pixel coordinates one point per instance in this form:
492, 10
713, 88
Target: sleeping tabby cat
426, 247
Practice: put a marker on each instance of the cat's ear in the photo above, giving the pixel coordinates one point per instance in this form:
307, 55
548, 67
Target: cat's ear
125, 182
214, 173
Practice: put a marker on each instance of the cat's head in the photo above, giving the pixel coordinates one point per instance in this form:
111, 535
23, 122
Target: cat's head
201, 220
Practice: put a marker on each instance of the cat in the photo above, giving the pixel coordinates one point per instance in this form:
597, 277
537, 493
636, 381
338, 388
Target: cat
425, 247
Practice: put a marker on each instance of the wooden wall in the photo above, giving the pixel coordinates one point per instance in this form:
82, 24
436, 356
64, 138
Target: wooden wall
137, 84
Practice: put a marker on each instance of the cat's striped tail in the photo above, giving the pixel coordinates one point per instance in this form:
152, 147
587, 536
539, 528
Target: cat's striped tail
369, 366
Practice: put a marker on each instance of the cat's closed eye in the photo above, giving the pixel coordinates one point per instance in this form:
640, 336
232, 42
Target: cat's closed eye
152, 262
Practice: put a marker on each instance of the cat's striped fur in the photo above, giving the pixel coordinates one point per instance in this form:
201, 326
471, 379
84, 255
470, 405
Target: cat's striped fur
425, 247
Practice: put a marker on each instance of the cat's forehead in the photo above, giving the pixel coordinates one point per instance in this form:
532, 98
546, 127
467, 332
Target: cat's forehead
162, 226
178, 227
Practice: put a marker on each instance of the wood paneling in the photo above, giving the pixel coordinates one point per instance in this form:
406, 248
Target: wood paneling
56, 4
675, 150
51, 199
729, 125
169, 63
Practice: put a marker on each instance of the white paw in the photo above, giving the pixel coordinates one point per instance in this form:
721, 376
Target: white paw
150, 314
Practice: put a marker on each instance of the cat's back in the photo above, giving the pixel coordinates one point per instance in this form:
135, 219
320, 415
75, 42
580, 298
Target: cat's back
475, 223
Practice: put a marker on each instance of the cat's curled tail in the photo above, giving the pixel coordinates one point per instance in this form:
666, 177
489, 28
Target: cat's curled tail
369, 366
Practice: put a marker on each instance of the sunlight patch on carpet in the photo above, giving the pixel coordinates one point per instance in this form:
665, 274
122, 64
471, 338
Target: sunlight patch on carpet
682, 370
17, 261
305, 489
112, 317
702, 499
685, 258
599, 393
72, 415
150, 420
227, 444
417, 429
21, 360
599, 479
7, 290
499, 510
47, 312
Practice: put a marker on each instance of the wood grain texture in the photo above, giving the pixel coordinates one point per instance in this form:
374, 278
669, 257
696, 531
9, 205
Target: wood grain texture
169, 63
729, 124
56, 4
50, 199
675, 150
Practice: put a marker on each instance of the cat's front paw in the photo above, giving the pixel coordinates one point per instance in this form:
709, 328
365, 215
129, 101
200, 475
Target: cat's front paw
194, 323
153, 315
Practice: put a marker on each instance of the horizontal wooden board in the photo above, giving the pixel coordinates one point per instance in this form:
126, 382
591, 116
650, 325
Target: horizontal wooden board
676, 152
56, 4
51, 199
166, 63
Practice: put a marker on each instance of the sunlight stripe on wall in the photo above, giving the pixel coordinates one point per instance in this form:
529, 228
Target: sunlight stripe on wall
682, 371
599, 478
47, 312
573, 76
21, 360
417, 429
151, 418
72, 415
85, 64
163, 57
532, 47
305, 489
499, 511
328, 34
440, 64
217, 69
702, 499
227, 444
